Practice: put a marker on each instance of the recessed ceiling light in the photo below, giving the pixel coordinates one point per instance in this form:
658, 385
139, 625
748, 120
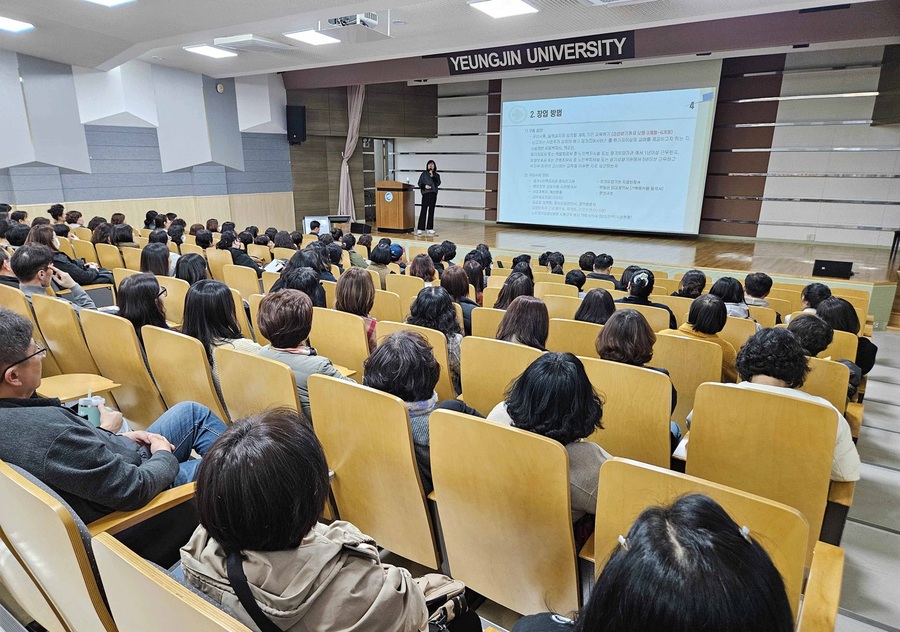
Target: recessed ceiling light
14, 26
210, 51
109, 3
502, 8
312, 37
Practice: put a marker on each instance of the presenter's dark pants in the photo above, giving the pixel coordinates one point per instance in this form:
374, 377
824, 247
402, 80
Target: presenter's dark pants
426, 215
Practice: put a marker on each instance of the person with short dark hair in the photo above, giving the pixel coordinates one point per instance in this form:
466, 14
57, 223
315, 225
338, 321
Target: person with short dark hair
74, 219
61, 230
203, 239
17, 234
101, 234
96, 470
436, 253
161, 221
140, 302
336, 256
596, 307
176, 233
303, 574
212, 225
297, 238
348, 242
578, 279
326, 239
449, 249
307, 280
516, 284
7, 276
554, 398
691, 285
285, 319
773, 361
456, 282
526, 322
228, 226
122, 236
523, 267
731, 292
422, 266
814, 335
114, 219
262, 240
82, 273
355, 294
314, 227
33, 266
40, 221
757, 286
625, 279
586, 262
433, 308
191, 268
18, 217
841, 315
555, 262
640, 287
337, 234
670, 556
150, 220
195, 228
247, 239
379, 259
813, 294
475, 271
521, 259
229, 241
282, 239
706, 318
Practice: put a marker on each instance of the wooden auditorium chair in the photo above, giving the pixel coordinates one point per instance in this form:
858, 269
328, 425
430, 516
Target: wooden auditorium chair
242, 279
241, 314
438, 342
690, 363
487, 367
269, 279
252, 384
110, 257
217, 260
737, 331
253, 301
486, 321
132, 258
330, 288
559, 306
657, 318
176, 294
84, 249
386, 306
573, 336
543, 288
340, 337
407, 287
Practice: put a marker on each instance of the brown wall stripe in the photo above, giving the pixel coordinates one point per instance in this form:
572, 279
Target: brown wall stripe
492, 179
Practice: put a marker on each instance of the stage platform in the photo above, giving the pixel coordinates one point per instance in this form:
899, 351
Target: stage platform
776, 258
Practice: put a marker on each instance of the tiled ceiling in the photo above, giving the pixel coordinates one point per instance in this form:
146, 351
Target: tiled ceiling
84, 34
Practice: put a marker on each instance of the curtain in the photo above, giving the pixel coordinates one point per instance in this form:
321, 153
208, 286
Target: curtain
355, 97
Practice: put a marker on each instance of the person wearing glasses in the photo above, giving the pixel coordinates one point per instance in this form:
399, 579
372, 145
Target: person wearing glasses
33, 266
97, 470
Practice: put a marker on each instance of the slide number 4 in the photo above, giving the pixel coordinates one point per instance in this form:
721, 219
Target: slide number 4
691, 105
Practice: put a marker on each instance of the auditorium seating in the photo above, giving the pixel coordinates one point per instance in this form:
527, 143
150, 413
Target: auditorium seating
488, 367
132, 258
543, 288
85, 250
13, 298
406, 287
251, 384
173, 300
690, 363
386, 306
217, 260
340, 337
559, 306
573, 336
438, 342
657, 318
109, 257
254, 300
737, 331
241, 314
242, 279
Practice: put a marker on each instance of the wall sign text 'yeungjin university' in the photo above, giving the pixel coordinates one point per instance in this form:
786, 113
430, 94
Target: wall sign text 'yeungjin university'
577, 50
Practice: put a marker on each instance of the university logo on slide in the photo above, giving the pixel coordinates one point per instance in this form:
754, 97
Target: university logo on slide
518, 114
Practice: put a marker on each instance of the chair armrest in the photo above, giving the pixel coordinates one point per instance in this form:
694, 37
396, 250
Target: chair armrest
823, 590
854, 415
841, 492
120, 520
587, 551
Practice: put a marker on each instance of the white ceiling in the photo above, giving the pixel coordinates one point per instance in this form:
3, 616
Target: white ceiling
84, 34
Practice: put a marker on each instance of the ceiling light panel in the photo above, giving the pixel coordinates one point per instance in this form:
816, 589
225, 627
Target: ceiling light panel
503, 8
14, 26
210, 51
312, 37
109, 3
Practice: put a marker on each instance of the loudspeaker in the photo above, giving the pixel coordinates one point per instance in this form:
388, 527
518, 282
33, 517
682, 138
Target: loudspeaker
296, 123
360, 229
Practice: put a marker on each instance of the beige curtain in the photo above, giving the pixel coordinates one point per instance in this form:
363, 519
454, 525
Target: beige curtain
355, 97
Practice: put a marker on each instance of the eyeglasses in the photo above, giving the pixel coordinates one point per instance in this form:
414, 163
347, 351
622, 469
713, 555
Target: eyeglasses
42, 351
162, 293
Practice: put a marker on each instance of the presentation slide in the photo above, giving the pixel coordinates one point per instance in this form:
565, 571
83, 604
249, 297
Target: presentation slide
631, 162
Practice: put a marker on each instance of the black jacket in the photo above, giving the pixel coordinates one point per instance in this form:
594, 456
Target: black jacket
633, 300
604, 277
80, 273
241, 258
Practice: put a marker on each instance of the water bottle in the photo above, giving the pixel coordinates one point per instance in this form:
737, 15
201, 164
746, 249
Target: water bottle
90, 407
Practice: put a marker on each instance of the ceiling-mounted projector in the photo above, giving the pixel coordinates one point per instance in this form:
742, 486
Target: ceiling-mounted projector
364, 19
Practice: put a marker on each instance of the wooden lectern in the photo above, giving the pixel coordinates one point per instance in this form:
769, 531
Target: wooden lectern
395, 206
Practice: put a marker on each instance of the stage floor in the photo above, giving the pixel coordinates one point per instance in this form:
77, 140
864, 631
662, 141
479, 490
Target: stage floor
774, 257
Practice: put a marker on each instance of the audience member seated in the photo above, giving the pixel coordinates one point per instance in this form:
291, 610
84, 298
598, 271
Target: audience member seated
475, 271
397, 253
348, 242
16, 235
433, 308
625, 279
586, 262
840, 314
576, 278
74, 219
773, 361
554, 398
456, 281
195, 228
706, 318
62, 231
191, 268
56, 212
176, 233
122, 236
365, 241
115, 218
285, 319
602, 263
320, 251
95, 470
336, 256
487, 259
757, 286
160, 236
40, 221
555, 262
33, 267
7, 276
149, 220
245, 238
297, 239
523, 267
526, 322
814, 335
732, 294
325, 239
140, 302
102, 234
155, 259
229, 242
810, 297
687, 566
355, 294
19, 217
692, 284
203, 239
596, 307
308, 281
422, 267
228, 227
210, 317
640, 286
82, 273
306, 258
516, 284
436, 254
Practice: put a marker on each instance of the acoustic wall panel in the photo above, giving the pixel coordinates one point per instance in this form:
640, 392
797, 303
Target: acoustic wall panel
123, 96
222, 123
183, 133
16, 147
261, 102
36, 184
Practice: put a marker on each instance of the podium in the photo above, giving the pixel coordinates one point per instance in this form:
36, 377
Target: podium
395, 206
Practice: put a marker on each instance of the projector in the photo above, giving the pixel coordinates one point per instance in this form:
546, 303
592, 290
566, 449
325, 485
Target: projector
364, 19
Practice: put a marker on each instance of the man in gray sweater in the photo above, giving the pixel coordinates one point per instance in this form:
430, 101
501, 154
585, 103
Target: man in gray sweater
96, 470
33, 266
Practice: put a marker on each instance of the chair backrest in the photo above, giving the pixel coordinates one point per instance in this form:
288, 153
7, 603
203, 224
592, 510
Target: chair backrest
765, 316
252, 384
180, 368
120, 274
241, 314
242, 279
368, 444
547, 277
780, 305
487, 474
65, 247
84, 249
132, 258
173, 247
497, 280
765, 443
487, 367
490, 295
559, 306
636, 405
627, 488
260, 252
25, 592
164, 604
438, 342
110, 257
176, 293
843, 347
13, 298
254, 300
83, 233
217, 260
283, 253
860, 303
269, 279
45, 536
737, 331
145, 232
330, 288
791, 296
188, 239
662, 285
573, 336
657, 318
386, 306
679, 305
690, 363
192, 249
543, 288
376, 278
829, 380
340, 337
590, 284
407, 287
62, 333
117, 352
486, 321
142, 241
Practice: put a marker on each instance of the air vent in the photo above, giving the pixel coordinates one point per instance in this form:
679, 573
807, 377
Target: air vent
252, 43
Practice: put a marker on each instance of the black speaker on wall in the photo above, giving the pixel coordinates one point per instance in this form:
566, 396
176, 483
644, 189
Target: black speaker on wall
296, 123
